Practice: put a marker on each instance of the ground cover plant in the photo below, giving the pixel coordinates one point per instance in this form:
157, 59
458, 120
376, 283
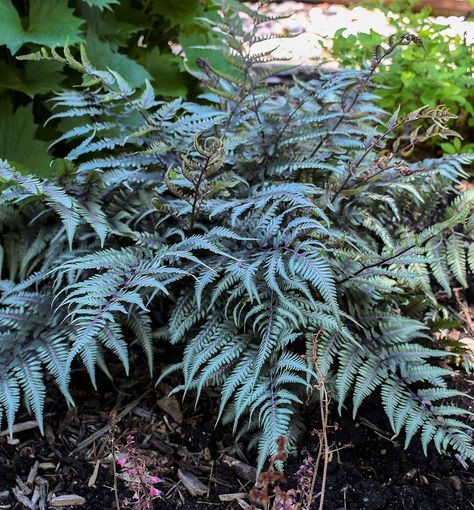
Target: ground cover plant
274, 231
437, 71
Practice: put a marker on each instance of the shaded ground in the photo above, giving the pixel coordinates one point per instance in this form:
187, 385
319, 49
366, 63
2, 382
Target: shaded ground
370, 471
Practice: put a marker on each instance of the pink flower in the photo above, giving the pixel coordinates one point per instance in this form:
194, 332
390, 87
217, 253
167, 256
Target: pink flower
154, 492
154, 479
121, 462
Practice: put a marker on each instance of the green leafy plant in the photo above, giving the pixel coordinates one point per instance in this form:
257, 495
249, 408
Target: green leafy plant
132, 37
437, 71
261, 229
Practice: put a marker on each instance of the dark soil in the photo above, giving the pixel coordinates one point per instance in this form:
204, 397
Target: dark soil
368, 470
374, 472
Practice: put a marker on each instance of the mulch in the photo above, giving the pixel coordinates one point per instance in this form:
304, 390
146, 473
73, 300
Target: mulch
368, 470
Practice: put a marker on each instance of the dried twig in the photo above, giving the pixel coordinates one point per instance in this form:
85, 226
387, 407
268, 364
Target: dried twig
324, 451
21, 427
104, 430
242, 470
464, 309
114, 419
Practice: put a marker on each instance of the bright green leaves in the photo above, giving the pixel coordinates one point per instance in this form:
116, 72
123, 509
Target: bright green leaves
52, 23
18, 142
344, 47
49, 23
132, 38
438, 72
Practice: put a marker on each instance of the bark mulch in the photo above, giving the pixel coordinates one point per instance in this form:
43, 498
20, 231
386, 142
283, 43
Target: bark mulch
181, 445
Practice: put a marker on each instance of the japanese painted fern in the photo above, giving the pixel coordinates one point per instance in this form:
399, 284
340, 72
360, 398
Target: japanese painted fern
243, 227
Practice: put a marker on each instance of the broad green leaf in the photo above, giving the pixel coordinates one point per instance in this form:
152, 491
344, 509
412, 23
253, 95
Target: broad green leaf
104, 56
102, 4
11, 29
49, 23
17, 139
34, 78
112, 27
180, 13
168, 80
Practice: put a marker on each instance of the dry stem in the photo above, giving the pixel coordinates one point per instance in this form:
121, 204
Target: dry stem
113, 429
324, 451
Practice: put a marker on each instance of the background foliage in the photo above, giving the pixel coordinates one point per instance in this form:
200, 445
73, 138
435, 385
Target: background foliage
130, 36
440, 71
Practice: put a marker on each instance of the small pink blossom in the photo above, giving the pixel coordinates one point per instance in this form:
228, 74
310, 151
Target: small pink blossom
154, 492
121, 462
154, 479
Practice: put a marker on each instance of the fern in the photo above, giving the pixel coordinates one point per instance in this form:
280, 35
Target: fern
250, 221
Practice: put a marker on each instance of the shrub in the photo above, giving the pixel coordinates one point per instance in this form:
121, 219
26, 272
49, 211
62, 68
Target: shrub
262, 228
438, 71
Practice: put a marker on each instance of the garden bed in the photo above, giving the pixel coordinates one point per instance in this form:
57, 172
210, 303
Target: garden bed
369, 470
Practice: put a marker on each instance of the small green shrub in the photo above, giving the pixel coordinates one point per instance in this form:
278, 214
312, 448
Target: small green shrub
261, 229
439, 71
